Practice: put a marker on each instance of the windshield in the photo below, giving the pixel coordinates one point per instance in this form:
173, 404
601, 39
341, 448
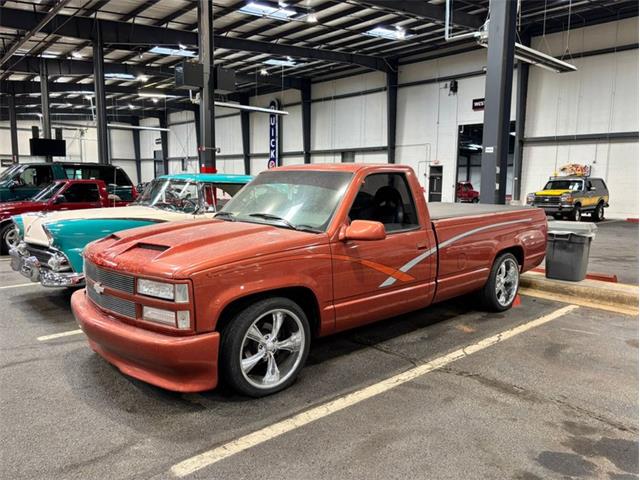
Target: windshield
9, 172
573, 185
48, 192
187, 196
291, 199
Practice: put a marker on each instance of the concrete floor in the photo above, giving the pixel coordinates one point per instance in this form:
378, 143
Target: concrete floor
557, 401
615, 250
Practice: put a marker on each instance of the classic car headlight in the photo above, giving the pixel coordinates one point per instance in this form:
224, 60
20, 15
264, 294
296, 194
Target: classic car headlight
58, 262
180, 319
168, 291
531, 197
566, 198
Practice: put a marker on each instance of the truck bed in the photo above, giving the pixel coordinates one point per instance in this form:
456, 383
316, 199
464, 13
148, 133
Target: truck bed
440, 211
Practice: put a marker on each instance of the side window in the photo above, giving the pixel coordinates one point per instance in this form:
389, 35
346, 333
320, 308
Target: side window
589, 185
385, 198
82, 192
35, 176
121, 178
599, 184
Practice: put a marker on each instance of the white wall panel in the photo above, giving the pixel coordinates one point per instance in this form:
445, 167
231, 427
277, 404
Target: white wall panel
229, 135
121, 143
148, 137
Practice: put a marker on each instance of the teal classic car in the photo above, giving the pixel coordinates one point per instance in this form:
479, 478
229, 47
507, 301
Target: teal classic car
50, 250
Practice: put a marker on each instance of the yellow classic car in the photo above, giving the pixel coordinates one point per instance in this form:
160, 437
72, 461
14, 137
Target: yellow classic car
571, 196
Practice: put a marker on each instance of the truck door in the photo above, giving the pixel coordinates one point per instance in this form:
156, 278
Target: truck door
382, 278
79, 196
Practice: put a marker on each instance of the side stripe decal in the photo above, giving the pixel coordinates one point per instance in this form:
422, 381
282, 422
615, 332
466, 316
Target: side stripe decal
423, 256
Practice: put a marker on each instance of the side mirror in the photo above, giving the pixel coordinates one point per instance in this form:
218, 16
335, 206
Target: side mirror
60, 199
364, 230
592, 189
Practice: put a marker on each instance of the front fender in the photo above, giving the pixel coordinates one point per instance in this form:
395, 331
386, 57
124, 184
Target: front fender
214, 291
71, 236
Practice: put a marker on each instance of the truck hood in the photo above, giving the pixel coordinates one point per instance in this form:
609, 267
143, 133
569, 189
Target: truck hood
179, 249
8, 209
552, 193
34, 222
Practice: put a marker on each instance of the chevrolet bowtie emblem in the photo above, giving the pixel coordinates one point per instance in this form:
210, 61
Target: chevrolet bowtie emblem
97, 286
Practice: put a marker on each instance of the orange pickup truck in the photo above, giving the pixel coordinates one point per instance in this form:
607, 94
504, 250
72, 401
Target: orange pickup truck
300, 252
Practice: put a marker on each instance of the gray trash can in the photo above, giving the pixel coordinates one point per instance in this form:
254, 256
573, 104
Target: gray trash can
568, 246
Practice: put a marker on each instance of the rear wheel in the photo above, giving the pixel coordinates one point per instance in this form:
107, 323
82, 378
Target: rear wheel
502, 285
598, 214
576, 213
9, 238
475, 200
265, 346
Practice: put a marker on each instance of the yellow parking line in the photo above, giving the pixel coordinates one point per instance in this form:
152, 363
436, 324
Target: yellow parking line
209, 457
20, 285
44, 338
622, 309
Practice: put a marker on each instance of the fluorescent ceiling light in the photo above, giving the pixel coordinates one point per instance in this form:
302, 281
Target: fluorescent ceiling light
152, 94
388, 33
282, 62
142, 78
311, 18
76, 55
277, 12
119, 76
264, 72
173, 52
50, 54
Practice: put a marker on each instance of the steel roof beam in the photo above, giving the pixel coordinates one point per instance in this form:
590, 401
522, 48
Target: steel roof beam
426, 10
116, 32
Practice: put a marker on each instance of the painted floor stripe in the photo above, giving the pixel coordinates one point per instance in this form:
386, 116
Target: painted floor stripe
217, 454
59, 335
20, 285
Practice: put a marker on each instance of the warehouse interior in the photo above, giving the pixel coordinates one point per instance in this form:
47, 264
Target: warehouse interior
319, 239
336, 109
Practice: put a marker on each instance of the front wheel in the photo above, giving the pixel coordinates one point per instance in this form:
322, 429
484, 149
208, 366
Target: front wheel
475, 200
9, 238
576, 214
501, 288
265, 346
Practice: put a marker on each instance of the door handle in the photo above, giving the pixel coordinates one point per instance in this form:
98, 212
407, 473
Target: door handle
421, 245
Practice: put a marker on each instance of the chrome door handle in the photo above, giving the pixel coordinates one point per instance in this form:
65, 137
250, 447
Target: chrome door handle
421, 245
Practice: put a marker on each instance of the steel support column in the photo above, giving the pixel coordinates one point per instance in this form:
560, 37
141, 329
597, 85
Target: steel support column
164, 139
206, 147
13, 127
100, 99
245, 124
44, 103
136, 148
392, 112
522, 86
495, 138
306, 120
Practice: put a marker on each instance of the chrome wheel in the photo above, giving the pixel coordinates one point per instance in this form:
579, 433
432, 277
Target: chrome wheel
272, 348
507, 279
12, 238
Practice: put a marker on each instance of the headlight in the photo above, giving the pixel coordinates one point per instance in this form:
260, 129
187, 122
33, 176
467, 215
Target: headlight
566, 198
180, 319
58, 262
531, 197
168, 291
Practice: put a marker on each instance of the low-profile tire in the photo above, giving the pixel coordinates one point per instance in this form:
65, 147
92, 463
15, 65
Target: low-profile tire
502, 285
598, 214
8, 237
248, 352
576, 213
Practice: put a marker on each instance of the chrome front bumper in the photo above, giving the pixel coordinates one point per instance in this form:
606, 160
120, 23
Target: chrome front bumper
30, 267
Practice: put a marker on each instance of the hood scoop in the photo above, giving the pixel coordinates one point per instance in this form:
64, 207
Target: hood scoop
152, 246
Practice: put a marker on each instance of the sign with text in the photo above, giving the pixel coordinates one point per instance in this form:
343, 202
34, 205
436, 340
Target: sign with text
478, 104
274, 121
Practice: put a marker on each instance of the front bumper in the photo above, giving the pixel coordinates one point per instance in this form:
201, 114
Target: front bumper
31, 267
181, 364
554, 209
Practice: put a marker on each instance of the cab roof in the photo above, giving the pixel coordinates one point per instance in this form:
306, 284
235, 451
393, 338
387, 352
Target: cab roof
339, 167
209, 177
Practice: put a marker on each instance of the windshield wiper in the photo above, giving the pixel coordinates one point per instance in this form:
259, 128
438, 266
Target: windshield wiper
270, 216
225, 215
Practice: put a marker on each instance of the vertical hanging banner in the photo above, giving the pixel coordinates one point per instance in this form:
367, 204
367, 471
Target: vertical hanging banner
274, 121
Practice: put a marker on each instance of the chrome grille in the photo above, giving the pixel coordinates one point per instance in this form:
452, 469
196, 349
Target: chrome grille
117, 305
548, 200
41, 253
109, 278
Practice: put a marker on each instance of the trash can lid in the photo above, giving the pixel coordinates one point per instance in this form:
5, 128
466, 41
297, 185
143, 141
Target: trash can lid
586, 229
